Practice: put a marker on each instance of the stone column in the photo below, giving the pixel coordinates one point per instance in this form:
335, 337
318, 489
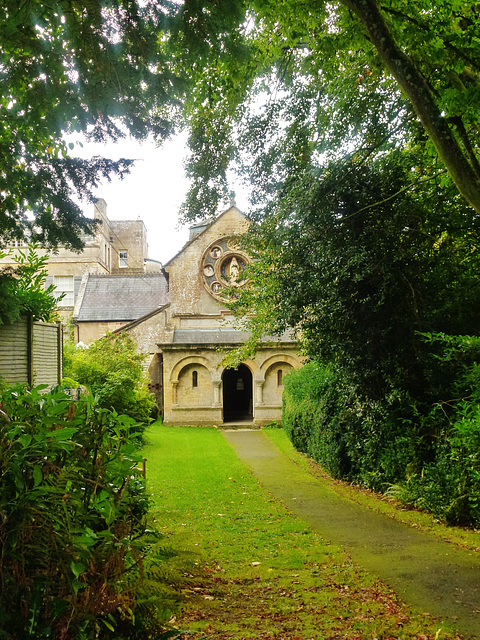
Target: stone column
259, 391
217, 392
174, 392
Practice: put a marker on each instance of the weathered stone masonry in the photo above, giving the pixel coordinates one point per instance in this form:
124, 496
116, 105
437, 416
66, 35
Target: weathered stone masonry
187, 338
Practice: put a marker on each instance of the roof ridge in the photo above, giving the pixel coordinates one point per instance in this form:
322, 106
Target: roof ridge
126, 275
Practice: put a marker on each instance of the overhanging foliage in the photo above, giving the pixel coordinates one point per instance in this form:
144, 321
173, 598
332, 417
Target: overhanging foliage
348, 77
94, 67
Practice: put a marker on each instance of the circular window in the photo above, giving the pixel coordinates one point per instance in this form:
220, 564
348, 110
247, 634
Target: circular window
216, 252
223, 267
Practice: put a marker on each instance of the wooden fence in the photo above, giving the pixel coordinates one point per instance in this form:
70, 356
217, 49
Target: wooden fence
31, 352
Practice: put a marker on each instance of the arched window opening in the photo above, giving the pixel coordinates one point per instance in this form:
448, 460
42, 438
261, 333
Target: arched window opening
279, 377
194, 378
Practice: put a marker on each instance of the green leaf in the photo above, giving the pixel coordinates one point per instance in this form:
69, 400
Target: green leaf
77, 568
109, 625
37, 475
25, 439
65, 433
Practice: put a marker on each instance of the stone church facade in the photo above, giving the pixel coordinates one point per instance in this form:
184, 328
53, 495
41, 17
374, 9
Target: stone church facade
188, 335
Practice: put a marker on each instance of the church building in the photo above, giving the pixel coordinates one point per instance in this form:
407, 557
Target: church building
189, 331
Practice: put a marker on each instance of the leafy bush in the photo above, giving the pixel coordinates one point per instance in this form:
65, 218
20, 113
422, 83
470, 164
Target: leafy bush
353, 437
303, 403
77, 558
448, 483
22, 289
465, 455
426, 457
113, 371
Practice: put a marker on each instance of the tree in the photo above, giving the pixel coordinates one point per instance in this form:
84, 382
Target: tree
404, 73
458, 79
366, 269
315, 90
93, 67
356, 124
359, 265
113, 371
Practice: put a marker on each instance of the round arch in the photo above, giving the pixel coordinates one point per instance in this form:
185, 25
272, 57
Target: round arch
279, 358
237, 394
185, 362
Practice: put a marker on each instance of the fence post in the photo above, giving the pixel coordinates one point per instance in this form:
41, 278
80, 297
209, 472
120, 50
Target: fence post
59, 352
30, 363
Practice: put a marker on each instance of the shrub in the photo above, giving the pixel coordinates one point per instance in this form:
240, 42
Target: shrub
448, 483
353, 437
302, 403
113, 371
465, 456
23, 289
426, 457
73, 529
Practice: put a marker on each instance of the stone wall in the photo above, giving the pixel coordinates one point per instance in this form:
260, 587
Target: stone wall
87, 332
151, 331
187, 403
129, 236
187, 291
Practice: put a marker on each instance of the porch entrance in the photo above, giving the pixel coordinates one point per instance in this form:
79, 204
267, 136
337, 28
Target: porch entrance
237, 394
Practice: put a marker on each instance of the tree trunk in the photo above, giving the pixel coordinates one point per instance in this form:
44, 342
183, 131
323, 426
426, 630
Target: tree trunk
415, 87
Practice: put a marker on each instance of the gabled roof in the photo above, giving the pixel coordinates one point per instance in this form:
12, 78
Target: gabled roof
204, 226
141, 319
121, 298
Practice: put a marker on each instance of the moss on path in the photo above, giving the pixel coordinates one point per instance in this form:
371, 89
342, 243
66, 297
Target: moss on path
429, 574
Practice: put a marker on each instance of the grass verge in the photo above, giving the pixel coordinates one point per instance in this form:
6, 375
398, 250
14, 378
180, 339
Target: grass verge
258, 571
463, 537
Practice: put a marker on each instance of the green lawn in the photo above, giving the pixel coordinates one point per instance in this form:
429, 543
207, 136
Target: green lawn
254, 570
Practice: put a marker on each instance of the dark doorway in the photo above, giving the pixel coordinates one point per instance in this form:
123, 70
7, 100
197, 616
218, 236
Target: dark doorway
237, 394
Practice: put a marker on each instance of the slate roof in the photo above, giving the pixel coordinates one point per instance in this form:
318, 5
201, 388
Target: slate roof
221, 336
122, 298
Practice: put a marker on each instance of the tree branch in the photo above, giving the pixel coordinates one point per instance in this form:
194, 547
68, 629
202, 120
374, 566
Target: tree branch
416, 88
394, 195
427, 29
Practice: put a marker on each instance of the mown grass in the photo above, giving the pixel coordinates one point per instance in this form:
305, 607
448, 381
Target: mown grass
256, 570
461, 536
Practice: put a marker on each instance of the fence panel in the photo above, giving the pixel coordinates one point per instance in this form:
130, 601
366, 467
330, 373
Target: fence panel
14, 360
31, 352
47, 353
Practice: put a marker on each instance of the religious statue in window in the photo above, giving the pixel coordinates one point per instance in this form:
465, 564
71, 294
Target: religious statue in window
223, 266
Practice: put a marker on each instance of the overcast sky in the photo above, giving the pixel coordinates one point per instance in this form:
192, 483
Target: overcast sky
153, 191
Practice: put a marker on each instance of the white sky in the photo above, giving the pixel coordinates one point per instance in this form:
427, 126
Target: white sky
153, 191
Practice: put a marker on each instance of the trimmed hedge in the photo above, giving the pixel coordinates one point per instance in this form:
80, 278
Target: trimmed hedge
353, 438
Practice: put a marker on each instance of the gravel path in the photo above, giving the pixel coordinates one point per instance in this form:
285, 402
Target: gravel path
431, 575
